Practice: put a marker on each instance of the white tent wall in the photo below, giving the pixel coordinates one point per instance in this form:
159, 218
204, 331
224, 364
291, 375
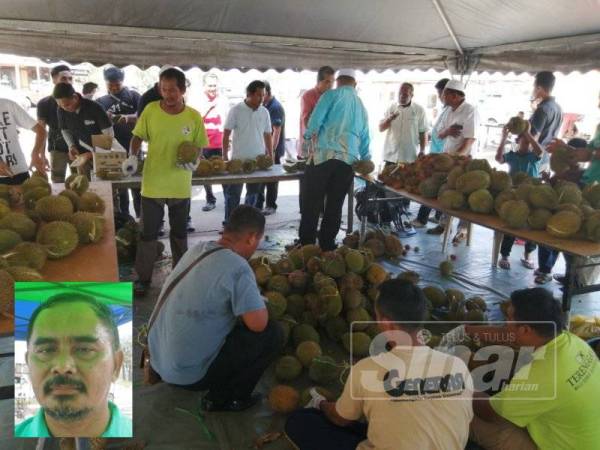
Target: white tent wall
507, 35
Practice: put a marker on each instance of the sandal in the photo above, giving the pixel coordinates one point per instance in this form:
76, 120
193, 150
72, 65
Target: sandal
460, 237
504, 264
542, 278
527, 263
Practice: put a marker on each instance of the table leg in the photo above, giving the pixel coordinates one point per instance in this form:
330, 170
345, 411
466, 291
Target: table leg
447, 231
350, 225
498, 236
568, 287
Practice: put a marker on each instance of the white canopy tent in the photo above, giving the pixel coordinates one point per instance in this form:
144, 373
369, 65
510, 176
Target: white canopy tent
459, 35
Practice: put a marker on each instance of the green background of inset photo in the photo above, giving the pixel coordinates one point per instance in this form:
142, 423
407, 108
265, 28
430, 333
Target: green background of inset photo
109, 293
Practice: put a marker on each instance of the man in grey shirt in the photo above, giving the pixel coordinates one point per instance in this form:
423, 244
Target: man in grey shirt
213, 332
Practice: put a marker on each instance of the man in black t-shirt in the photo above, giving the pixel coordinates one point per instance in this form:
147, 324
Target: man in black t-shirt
79, 119
47, 115
121, 104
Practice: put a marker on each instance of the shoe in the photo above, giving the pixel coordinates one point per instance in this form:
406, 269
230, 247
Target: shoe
434, 220
190, 227
268, 211
542, 278
293, 245
140, 288
208, 207
437, 230
417, 224
528, 264
209, 405
561, 278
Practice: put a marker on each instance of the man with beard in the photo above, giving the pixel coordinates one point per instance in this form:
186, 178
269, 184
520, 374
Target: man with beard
73, 355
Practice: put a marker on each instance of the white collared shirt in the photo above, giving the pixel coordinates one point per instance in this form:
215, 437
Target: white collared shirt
465, 115
402, 137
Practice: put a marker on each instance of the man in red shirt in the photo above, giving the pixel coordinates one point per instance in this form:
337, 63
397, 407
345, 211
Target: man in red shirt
213, 113
308, 101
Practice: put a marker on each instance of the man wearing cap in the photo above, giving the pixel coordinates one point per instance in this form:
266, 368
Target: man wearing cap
121, 105
458, 130
339, 128
79, 119
47, 115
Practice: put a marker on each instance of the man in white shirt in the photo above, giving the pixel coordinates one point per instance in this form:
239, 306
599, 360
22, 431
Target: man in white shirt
412, 397
458, 129
13, 166
406, 125
251, 126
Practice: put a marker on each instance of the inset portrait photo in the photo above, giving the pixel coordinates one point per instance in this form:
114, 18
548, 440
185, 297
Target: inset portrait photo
73, 359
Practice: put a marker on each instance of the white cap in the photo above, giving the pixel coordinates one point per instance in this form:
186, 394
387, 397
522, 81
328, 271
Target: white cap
346, 73
167, 67
455, 85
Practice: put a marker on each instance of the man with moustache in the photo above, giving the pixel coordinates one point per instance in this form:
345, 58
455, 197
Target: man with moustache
73, 355
165, 124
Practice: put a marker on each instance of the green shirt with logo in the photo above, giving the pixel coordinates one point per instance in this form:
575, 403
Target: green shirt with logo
118, 425
556, 396
165, 133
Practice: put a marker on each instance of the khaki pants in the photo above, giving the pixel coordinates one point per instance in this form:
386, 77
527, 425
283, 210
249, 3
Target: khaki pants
501, 435
58, 165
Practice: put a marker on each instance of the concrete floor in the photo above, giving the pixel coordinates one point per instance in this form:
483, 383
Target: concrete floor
166, 417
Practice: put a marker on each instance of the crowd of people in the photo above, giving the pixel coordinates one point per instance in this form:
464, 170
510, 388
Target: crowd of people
194, 343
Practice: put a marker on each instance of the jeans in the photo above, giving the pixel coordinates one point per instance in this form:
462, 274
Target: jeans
233, 192
546, 259
123, 195
332, 178
241, 362
272, 191
208, 153
309, 429
423, 214
507, 243
152, 215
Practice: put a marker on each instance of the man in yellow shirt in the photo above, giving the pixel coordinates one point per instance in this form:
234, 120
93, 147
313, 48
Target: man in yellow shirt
550, 403
165, 124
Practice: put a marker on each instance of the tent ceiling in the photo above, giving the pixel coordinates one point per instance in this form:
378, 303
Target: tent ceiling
279, 34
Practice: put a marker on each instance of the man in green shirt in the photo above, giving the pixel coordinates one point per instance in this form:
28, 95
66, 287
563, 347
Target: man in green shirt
165, 124
551, 402
73, 356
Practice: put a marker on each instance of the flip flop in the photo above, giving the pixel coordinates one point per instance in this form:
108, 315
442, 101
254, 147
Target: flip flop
527, 264
504, 264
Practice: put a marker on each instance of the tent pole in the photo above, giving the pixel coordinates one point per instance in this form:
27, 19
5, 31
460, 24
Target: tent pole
444, 18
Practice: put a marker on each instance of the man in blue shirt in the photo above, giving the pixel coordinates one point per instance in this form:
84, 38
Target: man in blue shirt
213, 331
339, 130
121, 105
73, 356
277, 115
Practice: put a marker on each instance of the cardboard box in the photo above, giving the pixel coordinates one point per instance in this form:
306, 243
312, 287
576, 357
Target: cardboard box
108, 153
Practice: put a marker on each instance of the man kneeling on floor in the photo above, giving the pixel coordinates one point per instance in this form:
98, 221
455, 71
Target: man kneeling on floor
550, 403
412, 397
196, 340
